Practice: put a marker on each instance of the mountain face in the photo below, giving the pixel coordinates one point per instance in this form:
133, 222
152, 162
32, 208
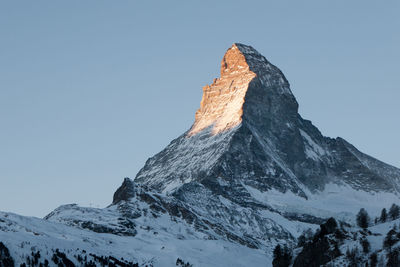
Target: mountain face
248, 131
249, 174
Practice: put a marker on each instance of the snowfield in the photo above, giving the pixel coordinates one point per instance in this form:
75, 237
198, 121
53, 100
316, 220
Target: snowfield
156, 246
339, 201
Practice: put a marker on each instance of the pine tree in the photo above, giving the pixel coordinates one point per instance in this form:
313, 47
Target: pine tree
365, 245
393, 258
277, 251
353, 256
363, 218
305, 237
390, 239
287, 257
373, 260
394, 212
383, 215
381, 261
301, 241
282, 256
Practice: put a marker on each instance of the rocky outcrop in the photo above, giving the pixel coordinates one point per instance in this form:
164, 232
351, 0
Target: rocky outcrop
109, 221
125, 192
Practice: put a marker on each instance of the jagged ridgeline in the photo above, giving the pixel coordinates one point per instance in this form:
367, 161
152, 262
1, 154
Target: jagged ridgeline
249, 174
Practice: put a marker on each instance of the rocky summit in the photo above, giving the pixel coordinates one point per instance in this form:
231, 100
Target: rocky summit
250, 173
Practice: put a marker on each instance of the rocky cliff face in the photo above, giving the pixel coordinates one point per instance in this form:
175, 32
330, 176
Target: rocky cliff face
221, 107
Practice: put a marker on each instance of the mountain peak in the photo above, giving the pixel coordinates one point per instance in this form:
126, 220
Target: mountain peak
221, 107
235, 59
248, 53
248, 132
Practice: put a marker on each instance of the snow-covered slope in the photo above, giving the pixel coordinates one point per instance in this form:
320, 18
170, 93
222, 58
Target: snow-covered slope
156, 243
148, 229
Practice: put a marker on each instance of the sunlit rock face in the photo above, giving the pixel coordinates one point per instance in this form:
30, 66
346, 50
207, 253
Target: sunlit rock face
223, 101
222, 104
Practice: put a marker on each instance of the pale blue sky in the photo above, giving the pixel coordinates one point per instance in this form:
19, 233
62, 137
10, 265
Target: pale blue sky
90, 89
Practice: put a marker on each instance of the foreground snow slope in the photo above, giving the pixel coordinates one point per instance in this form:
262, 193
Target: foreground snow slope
156, 246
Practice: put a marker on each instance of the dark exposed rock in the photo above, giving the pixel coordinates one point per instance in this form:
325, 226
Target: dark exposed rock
125, 192
306, 218
127, 229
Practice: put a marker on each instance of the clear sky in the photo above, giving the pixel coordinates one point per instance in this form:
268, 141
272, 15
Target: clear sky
90, 89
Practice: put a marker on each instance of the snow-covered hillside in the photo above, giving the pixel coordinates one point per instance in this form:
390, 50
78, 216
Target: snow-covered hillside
156, 241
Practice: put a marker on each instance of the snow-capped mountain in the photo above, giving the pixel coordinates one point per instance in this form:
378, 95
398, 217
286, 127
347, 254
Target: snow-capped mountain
249, 147
249, 174
248, 132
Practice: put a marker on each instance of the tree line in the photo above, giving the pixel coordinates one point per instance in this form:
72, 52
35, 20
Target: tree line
363, 220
